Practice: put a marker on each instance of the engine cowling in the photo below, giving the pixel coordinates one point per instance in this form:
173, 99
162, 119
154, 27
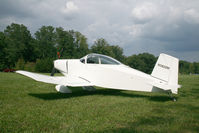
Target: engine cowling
62, 89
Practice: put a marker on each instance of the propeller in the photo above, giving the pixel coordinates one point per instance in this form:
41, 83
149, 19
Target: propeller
54, 70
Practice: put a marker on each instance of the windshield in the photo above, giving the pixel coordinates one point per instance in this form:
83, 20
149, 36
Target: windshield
106, 60
101, 59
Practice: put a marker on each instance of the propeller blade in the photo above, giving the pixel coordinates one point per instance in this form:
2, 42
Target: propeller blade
59, 54
53, 72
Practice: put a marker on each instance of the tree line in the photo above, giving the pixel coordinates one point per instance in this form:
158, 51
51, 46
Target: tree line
19, 49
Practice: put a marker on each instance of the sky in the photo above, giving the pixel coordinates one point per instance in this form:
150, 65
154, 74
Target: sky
153, 26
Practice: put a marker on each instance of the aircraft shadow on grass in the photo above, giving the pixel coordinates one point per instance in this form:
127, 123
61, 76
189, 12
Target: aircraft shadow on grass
103, 92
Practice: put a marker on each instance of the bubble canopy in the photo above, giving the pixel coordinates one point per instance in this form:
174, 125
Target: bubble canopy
99, 59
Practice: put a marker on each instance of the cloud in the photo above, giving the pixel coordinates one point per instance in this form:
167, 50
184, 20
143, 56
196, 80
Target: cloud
14, 9
191, 16
145, 12
70, 7
138, 26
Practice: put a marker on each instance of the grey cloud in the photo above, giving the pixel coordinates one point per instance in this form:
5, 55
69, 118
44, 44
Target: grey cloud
138, 26
9, 8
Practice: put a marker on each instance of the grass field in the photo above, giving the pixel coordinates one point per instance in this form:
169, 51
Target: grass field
30, 106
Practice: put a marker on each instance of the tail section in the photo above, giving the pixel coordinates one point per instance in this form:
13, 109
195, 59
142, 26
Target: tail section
166, 69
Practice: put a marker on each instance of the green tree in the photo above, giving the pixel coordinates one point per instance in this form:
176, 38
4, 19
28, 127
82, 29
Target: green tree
65, 41
184, 67
45, 39
20, 64
135, 62
191, 68
18, 41
144, 62
196, 67
80, 44
149, 60
30, 66
117, 53
3, 62
44, 65
101, 46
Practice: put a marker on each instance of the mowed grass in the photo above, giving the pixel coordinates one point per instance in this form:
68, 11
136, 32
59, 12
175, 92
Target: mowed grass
30, 106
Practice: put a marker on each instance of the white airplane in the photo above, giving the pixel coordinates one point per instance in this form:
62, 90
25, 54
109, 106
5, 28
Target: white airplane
106, 72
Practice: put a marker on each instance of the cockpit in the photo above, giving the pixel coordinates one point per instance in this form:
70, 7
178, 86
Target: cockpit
99, 59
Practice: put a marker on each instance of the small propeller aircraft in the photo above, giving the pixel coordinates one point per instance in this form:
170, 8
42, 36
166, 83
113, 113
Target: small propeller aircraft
106, 72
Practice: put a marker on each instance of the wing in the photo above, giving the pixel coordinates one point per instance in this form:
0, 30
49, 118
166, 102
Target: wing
61, 80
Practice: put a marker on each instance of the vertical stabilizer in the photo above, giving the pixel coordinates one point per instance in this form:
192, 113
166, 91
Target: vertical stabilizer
166, 69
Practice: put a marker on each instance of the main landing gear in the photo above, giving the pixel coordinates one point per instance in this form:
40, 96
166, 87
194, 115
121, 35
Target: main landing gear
171, 96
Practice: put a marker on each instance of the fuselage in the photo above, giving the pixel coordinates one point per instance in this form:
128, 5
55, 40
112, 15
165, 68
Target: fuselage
104, 71
116, 75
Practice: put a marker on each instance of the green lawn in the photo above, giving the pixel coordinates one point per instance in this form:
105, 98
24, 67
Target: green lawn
30, 106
